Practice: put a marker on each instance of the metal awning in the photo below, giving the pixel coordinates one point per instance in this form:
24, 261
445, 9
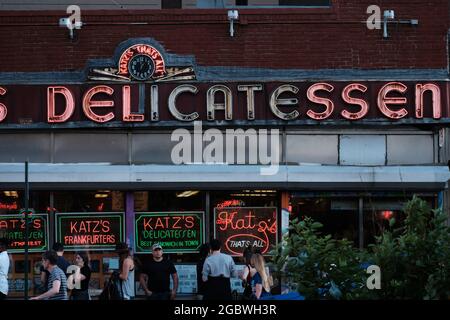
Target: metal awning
203, 176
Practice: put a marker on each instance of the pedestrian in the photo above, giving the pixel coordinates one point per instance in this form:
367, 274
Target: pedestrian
217, 271
126, 270
82, 261
247, 274
155, 276
57, 280
4, 268
201, 285
62, 263
261, 280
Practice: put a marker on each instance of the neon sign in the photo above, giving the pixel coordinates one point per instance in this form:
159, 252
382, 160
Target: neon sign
9, 206
231, 203
175, 231
14, 227
343, 101
89, 230
239, 227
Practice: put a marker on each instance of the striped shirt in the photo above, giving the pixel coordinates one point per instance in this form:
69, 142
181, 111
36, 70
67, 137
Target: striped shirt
58, 274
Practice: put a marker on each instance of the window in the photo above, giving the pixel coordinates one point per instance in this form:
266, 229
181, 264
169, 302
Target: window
170, 4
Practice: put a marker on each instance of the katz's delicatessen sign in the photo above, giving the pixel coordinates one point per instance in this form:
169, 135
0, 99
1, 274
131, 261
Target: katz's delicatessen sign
141, 89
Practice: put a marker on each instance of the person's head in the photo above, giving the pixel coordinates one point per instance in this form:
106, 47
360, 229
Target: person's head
3, 244
122, 249
157, 251
49, 259
58, 248
247, 255
81, 258
215, 245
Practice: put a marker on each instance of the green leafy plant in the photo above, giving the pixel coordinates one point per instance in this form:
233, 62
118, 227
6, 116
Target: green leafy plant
319, 266
415, 259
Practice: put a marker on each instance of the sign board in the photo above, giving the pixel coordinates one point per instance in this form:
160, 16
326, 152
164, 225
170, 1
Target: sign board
13, 228
88, 231
240, 227
271, 103
175, 231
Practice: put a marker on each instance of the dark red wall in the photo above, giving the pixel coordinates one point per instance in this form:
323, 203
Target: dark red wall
266, 38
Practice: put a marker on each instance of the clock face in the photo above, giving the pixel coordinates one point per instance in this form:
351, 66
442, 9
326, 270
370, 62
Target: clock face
141, 67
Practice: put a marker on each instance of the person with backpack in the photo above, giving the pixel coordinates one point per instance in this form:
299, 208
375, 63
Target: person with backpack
247, 274
126, 271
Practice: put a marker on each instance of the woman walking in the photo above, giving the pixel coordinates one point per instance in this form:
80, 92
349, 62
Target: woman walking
261, 280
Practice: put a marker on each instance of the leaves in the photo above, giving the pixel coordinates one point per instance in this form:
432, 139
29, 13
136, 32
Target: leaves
414, 259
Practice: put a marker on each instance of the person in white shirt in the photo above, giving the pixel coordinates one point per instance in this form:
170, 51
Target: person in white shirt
4, 268
217, 271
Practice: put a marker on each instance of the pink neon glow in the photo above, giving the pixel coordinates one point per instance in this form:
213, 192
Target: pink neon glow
3, 109
327, 102
383, 100
88, 104
127, 115
51, 108
436, 99
360, 102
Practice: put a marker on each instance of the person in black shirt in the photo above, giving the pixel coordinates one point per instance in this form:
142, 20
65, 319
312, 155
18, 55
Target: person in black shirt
155, 276
82, 261
201, 285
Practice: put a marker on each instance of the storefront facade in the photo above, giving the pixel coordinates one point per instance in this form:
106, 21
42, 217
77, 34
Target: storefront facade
143, 135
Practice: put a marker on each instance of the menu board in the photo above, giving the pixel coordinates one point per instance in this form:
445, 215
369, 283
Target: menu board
175, 231
88, 231
240, 227
13, 227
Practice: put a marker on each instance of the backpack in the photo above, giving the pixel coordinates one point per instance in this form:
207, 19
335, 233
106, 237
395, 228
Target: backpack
112, 290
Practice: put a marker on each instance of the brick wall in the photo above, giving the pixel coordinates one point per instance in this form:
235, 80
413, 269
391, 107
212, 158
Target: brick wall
334, 37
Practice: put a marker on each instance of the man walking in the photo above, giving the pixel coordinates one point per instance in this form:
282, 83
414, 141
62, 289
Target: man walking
57, 280
155, 276
217, 271
4, 268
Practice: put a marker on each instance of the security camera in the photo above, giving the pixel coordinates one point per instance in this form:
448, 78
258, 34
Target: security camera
65, 22
389, 14
233, 15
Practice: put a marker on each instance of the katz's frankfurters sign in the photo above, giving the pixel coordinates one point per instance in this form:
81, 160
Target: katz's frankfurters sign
240, 227
87, 231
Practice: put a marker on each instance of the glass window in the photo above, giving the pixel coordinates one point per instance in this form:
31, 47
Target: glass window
338, 215
89, 201
379, 210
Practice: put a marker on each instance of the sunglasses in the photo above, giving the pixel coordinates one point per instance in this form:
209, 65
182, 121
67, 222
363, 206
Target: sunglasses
157, 249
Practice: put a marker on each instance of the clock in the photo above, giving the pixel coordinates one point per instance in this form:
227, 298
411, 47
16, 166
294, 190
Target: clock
141, 67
